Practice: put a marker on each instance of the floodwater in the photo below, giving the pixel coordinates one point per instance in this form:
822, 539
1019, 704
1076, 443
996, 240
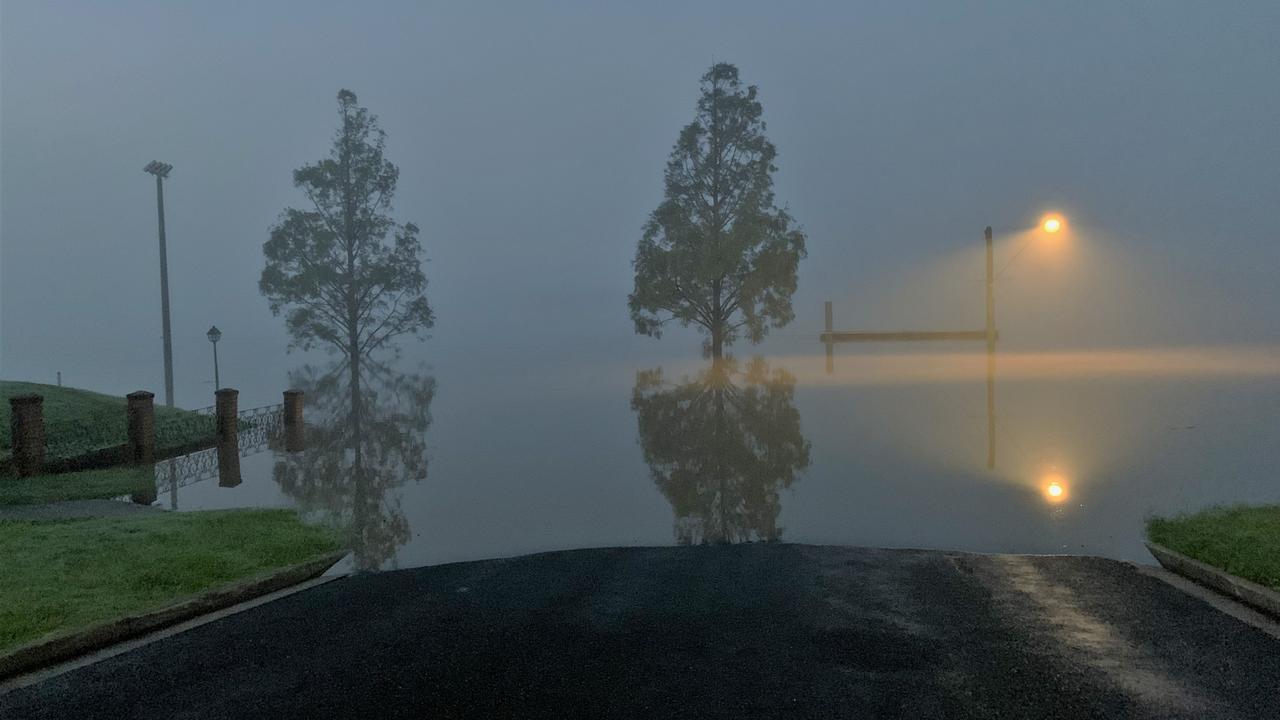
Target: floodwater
893, 447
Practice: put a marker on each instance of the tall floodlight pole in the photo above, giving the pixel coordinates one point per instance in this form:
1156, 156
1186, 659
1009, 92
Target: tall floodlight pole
161, 171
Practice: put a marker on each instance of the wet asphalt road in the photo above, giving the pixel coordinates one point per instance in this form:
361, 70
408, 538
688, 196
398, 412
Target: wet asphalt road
742, 631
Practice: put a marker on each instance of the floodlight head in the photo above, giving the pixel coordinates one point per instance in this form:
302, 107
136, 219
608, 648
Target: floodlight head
157, 168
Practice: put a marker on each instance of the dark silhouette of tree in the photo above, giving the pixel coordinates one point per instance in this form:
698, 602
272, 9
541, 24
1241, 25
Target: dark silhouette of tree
721, 447
717, 253
346, 275
357, 455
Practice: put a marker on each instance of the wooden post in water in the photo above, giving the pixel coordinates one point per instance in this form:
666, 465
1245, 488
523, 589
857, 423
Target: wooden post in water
26, 428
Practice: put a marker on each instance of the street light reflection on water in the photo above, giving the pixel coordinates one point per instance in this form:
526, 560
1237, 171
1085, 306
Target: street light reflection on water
1054, 486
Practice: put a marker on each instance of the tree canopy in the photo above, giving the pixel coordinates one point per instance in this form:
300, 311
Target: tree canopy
717, 253
345, 274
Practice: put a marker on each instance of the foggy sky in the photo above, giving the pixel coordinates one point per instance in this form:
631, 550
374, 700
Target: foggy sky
531, 139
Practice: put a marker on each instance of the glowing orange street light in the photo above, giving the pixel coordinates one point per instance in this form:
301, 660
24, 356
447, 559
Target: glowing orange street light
1051, 224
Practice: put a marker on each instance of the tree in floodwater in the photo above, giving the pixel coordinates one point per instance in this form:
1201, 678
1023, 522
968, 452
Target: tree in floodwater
721, 447
356, 457
345, 274
717, 253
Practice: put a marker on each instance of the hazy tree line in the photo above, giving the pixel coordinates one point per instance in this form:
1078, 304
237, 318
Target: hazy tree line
717, 253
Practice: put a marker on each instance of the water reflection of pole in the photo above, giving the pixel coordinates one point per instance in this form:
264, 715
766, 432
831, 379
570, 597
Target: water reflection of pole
991, 354
173, 484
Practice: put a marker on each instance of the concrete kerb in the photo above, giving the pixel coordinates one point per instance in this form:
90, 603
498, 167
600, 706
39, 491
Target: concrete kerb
1250, 593
57, 648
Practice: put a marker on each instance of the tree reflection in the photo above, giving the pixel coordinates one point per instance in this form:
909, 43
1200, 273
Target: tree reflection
721, 447
357, 452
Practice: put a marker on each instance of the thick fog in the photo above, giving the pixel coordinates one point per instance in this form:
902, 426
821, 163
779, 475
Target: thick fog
531, 139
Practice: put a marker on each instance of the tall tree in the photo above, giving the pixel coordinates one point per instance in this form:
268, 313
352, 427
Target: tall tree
346, 275
717, 253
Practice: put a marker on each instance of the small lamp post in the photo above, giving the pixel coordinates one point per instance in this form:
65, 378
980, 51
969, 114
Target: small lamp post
214, 336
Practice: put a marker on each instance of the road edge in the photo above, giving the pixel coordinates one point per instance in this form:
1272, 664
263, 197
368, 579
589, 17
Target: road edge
1246, 591
58, 648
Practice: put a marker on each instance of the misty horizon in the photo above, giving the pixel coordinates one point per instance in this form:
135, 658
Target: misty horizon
531, 154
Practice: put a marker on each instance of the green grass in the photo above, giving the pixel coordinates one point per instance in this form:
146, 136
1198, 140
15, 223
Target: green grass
1244, 541
64, 575
84, 485
80, 421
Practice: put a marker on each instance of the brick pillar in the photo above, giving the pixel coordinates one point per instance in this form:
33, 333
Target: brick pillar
294, 439
26, 428
226, 404
229, 464
142, 427
228, 437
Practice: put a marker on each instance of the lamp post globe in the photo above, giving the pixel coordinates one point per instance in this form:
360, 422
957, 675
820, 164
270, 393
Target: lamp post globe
214, 336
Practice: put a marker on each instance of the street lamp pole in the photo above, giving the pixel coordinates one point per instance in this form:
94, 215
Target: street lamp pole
214, 336
161, 171
991, 293
1050, 224
991, 353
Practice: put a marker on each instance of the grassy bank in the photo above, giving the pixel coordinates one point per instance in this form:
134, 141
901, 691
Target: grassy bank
65, 575
84, 485
79, 421
1244, 541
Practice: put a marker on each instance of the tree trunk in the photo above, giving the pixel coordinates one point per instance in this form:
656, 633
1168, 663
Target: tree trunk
353, 310
357, 401
717, 325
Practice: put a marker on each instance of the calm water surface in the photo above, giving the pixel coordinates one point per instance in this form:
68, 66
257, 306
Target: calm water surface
890, 449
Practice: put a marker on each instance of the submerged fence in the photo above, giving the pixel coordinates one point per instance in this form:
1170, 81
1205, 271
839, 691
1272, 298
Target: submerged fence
265, 431
63, 446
